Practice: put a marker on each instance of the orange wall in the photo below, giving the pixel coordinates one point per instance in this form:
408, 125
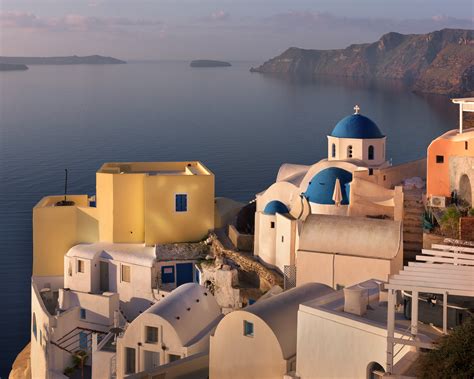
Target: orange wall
437, 183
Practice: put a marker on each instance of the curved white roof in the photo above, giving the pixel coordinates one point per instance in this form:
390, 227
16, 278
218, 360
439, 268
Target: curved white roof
293, 173
137, 254
280, 312
358, 236
190, 309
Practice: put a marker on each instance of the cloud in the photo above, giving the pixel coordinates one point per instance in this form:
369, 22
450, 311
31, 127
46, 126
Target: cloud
71, 22
216, 17
315, 21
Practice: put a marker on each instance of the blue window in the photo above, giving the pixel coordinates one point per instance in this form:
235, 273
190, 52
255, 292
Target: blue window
83, 314
83, 340
181, 203
167, 274
34, 325
248, 329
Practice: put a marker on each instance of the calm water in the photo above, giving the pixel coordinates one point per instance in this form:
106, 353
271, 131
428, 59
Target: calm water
241, 125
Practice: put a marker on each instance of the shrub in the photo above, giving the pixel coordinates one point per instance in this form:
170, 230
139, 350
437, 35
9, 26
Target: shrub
454, 358
470, 213
450, 222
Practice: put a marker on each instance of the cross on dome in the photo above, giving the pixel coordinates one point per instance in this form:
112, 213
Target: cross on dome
356, 109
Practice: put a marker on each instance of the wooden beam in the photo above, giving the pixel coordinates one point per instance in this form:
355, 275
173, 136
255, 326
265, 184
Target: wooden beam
426, 258
441, 266
448, 254
453, 248
404, 276
439, 270
431, 284
428, 289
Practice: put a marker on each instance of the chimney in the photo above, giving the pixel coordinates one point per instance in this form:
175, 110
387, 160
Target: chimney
356, 300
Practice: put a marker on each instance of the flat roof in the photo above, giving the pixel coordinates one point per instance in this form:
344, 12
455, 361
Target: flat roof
454, 135
185, 168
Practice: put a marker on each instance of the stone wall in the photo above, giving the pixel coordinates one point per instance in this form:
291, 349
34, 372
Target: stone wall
466, 228
268, 278
243, 242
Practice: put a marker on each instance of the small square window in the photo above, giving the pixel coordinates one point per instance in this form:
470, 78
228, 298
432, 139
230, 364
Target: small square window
248, 329
272, 224
181, 203
80, 265
83, 314
440, 159
126, 273
371, 171
173, 357
151, 334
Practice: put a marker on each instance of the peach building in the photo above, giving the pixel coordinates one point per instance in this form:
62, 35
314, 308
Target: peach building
451, 159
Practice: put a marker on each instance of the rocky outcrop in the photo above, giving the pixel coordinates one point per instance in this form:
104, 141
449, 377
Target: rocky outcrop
12, 67
209, 63
21, 368
91, 59
440, 62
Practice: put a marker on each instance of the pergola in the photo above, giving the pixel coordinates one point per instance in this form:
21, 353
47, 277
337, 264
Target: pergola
444, 270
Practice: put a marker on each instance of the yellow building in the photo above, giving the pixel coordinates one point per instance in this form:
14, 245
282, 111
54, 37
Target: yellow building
137, 202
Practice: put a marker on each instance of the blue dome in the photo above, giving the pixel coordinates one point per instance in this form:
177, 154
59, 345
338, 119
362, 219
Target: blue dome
321, 188
275, 206
356, 126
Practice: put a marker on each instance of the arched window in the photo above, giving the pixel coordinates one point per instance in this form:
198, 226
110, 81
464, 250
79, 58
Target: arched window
349, 151
34, 325
371, 153
374, 370
333, 150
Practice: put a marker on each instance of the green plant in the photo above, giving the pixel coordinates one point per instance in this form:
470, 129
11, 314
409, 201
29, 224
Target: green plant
454, 358
470, 213
69, 370
450, 222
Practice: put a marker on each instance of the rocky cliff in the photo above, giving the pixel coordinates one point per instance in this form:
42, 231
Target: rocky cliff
74, 59
440, 62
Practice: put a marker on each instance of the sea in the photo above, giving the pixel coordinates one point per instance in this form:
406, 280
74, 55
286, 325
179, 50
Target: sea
242, 125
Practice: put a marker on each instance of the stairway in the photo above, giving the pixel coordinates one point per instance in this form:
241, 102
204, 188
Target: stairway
413, 209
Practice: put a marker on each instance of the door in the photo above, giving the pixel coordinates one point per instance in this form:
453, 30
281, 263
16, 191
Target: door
104, 276
152, 359
167, 274
184, 273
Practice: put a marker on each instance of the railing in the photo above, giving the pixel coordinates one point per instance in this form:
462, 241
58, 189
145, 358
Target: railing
113, 367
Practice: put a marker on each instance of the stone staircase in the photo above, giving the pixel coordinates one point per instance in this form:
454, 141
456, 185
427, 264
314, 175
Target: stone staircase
413, 209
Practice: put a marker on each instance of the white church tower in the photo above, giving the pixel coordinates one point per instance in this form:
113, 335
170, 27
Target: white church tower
357, 137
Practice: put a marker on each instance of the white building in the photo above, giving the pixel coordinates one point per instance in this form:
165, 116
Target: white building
259, 341
351, 182
178, 326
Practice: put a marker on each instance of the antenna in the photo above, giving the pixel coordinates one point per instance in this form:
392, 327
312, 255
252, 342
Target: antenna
65, 202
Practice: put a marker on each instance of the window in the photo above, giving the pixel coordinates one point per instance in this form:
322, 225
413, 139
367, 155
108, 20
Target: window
181, 203
272, 224
248, 329
83, 340
333, 150
126, 273
80, 265
34, 325
371, 171
371, 153
41, 337
440, 159
173, 357
167, 274
83, 314
129, 360
282, 239
151, 334
349, 151
466, 145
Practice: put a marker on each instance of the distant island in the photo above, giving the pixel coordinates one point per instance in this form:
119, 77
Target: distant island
441, 62
12, 67
209, 63
74, 59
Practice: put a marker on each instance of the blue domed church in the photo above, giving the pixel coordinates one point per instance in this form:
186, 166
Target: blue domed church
343, 184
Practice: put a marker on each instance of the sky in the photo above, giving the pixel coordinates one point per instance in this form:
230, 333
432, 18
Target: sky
248, 30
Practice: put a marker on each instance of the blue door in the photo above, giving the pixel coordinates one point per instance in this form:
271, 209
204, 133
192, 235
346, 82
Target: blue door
83, 341
184, 273
167, 274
